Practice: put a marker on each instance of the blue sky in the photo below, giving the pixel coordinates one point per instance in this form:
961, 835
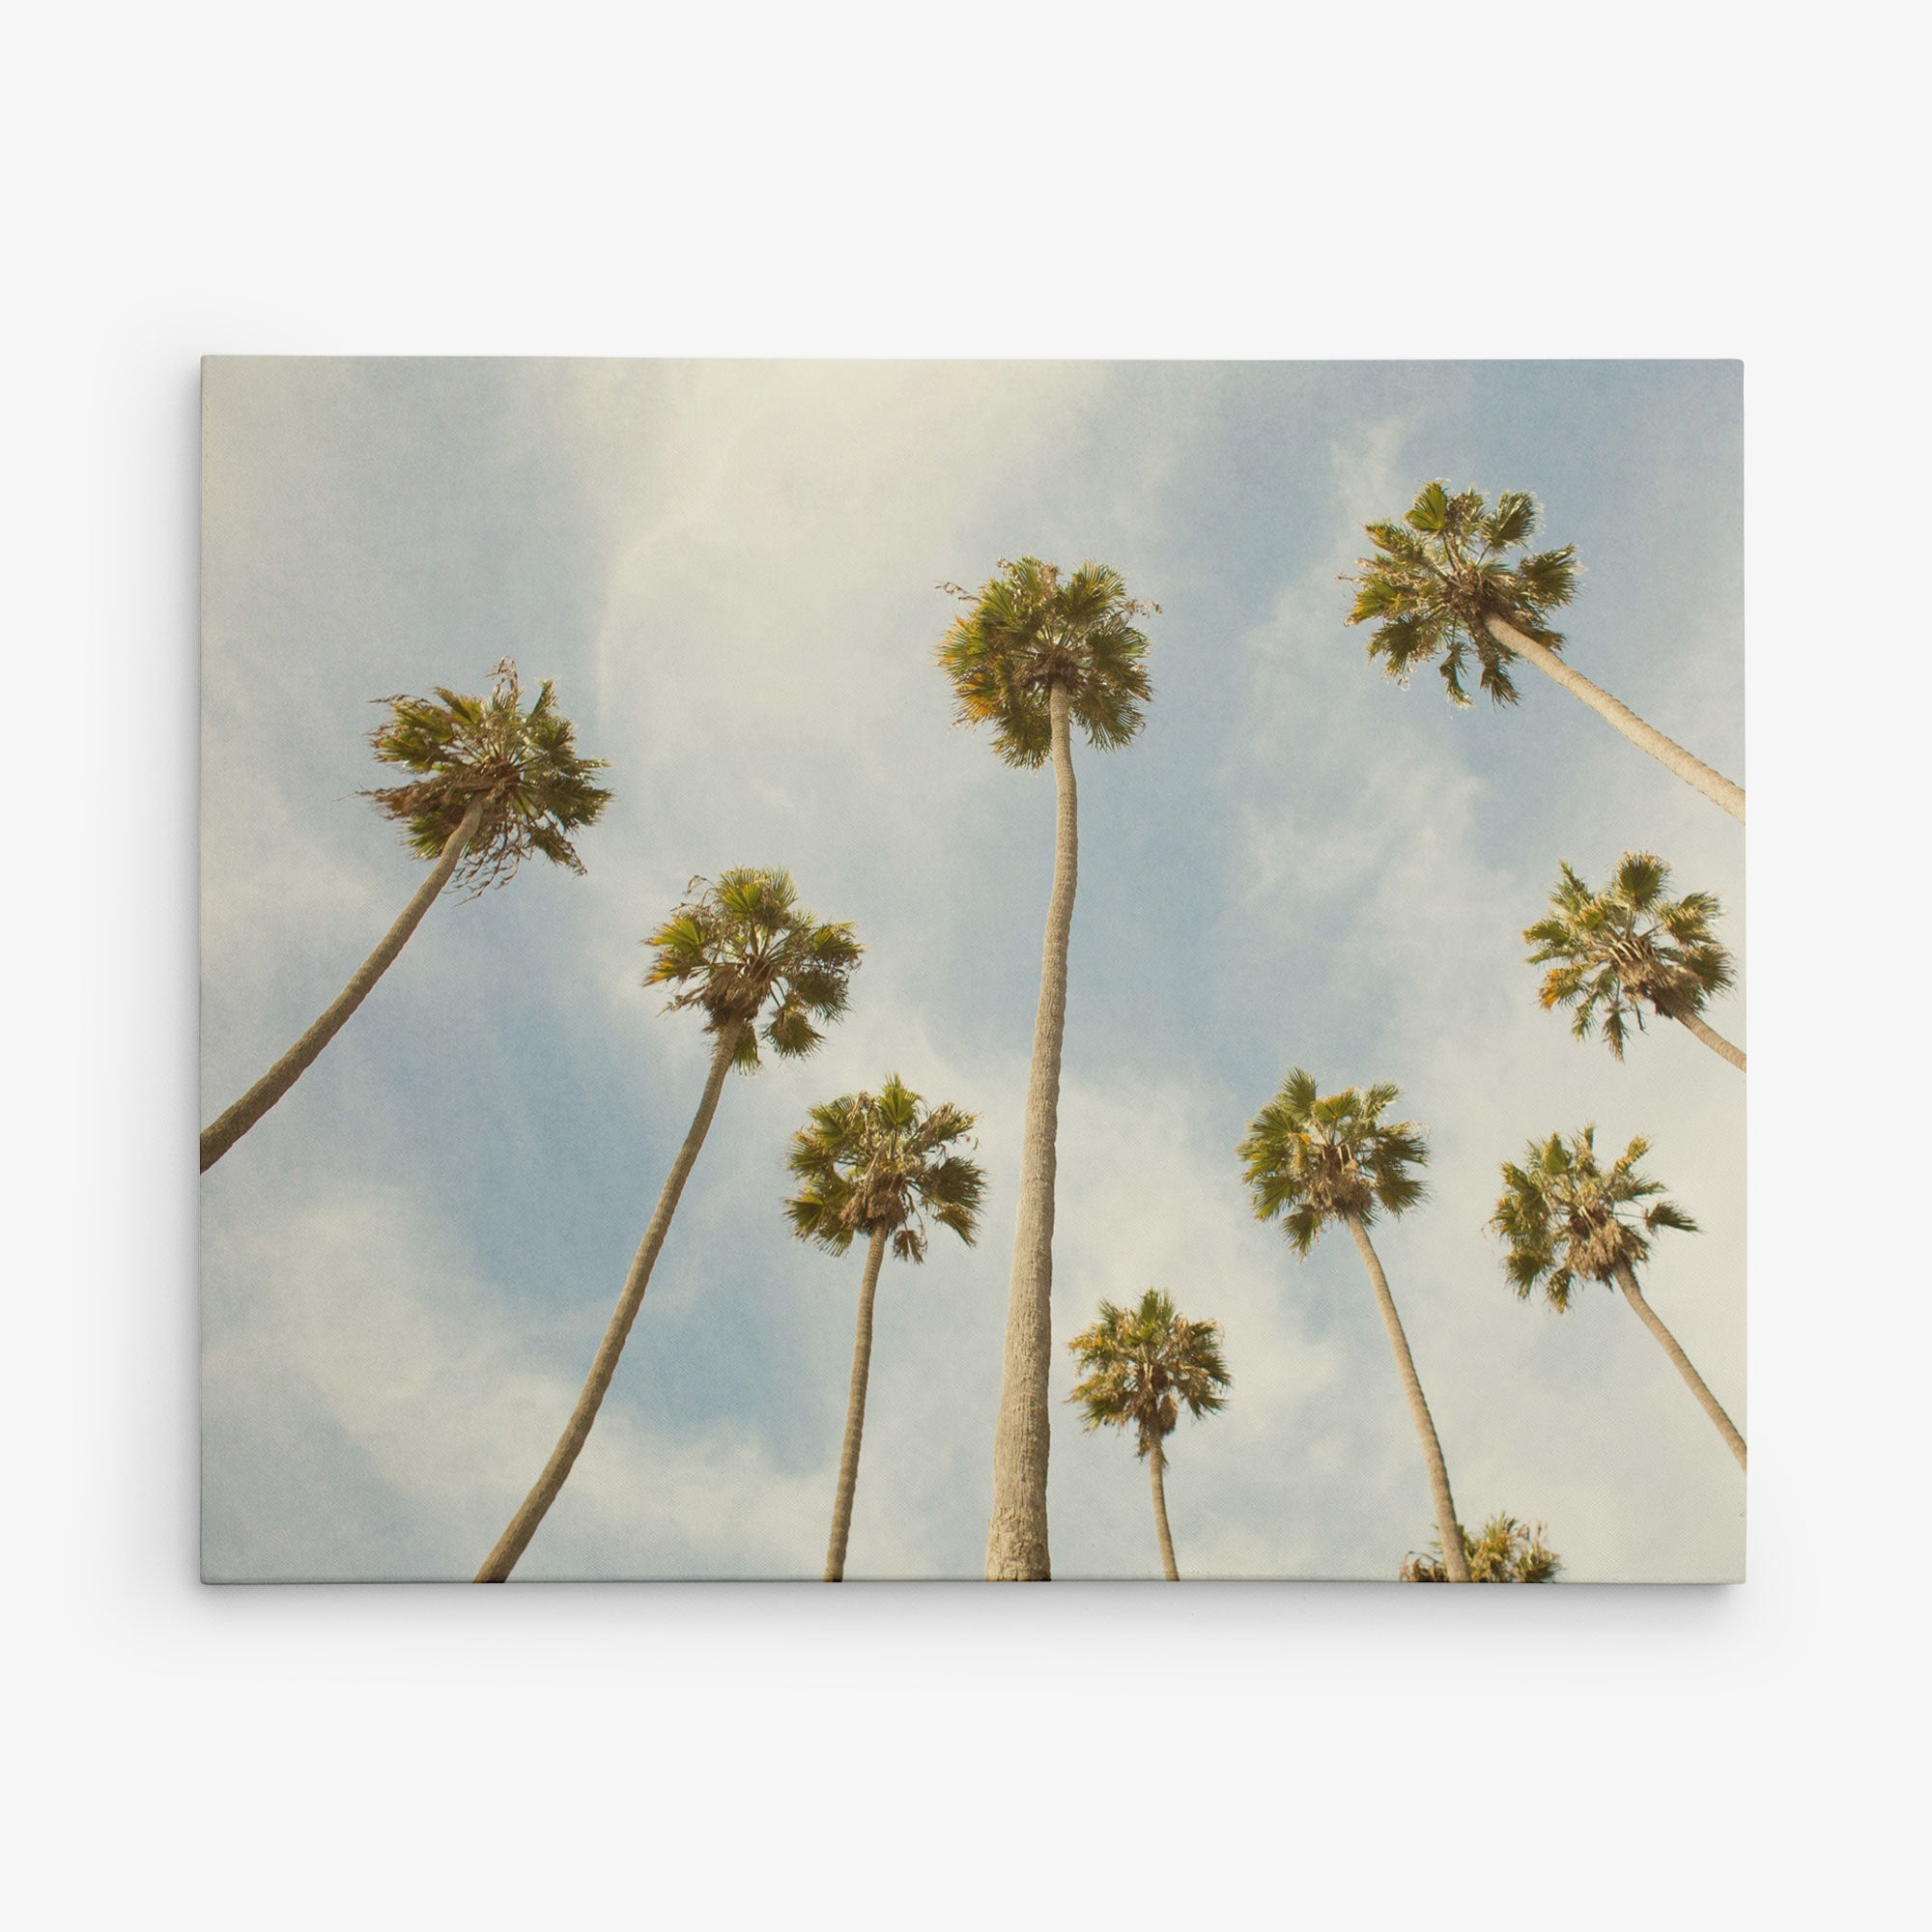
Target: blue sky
729, 571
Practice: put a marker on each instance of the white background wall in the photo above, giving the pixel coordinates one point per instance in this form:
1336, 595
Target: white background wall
1003, 180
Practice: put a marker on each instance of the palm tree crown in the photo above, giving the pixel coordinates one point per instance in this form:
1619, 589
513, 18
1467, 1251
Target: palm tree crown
869, 1162
735, 946
1437, 577
1507, 1552
1033, 626
1613, 952
1311, 1160
523, 765
1144, 1364
1566, 1217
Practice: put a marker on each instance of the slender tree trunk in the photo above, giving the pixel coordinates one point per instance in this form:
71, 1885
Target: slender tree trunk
515, 1539
1158, 1462
1017, 1549
1693, 771
855, 1412
229, 1127
1455, 1559
1667, 1342
1712, 1038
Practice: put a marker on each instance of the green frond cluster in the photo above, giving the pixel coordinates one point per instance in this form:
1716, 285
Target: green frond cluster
1507, 1552
536, 791
1146, 1363
1437, 576
1312, 1160
867, 1161
1611, 952
744, 946
1033, 626
1566, 1218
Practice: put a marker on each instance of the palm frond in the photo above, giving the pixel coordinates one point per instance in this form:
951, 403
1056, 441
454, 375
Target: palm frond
742, 948
884, 1161
1435, 580
1613, 954
1563, 1216
519, 766
1309, 1159
1032, 626
1144, 1365
1503, 1552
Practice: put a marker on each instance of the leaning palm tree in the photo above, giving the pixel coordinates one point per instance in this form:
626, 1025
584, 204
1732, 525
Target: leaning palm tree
1313, 1160
1613, 953
1037, 651
741, 950
1443, 580
496, 783
1567, 1218
1144, 1365
1507, 1552
874, 1165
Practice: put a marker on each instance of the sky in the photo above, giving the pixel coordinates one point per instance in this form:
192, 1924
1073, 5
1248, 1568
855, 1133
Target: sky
730, 572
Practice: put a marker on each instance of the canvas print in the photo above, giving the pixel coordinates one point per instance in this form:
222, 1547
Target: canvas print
971, 969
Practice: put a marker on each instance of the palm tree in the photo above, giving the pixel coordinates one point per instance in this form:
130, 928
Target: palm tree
1566, 1218
738, 950
875, 1165
1442, 581
497, 782
1035, 652
1311, 1161
1507, 1552
1143, 1365
1629, 947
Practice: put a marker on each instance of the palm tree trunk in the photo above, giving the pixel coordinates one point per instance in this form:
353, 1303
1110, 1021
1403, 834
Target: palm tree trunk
1016, 1548
1667, 1342
230, 1126
1712, 1038
855, 1412
1719, 790
1157, 1459
1455, 1559
513, 1542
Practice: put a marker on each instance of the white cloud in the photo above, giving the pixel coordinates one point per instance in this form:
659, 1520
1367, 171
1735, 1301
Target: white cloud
361, 1312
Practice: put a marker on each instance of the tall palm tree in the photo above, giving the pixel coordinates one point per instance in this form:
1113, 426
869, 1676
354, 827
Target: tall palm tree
1507, 1552
1036, 651
1615, 953
875, 1165
740, 950
1566, 1217
1313, 1160
497, 783
1144, 1365
1442, 581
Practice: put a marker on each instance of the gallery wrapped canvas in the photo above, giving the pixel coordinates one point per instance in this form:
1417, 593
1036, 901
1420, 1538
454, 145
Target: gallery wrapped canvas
1020, 971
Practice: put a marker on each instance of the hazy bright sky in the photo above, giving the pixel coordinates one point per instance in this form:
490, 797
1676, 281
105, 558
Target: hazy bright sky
730, 572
